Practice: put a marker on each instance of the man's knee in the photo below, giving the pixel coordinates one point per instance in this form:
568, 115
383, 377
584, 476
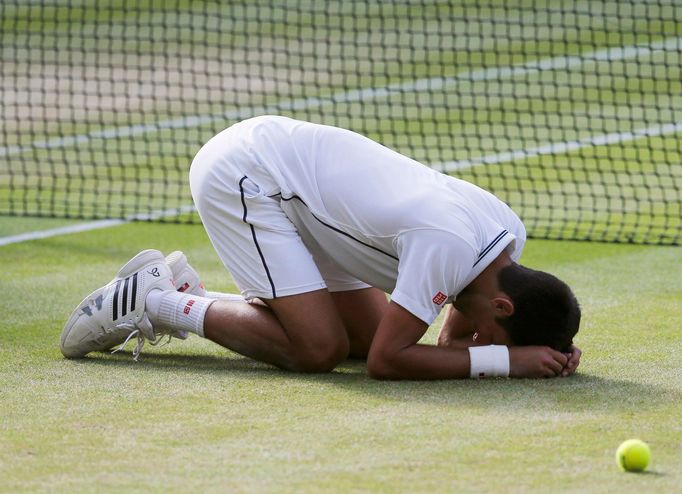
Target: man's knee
318, 341
320, 358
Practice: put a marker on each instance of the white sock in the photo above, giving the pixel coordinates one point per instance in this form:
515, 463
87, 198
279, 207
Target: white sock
235, 297
177, 311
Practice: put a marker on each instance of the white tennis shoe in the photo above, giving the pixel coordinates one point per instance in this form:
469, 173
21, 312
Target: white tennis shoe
115, 313
185, 277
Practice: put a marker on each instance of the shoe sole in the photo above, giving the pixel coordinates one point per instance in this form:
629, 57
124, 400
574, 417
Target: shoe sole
136, 264
77, 312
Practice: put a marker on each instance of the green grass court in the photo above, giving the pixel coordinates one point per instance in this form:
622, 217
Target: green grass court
191, 416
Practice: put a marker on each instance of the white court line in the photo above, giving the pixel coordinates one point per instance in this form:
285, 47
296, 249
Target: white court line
64, 230
493, 73
506, 157
93, 225
562, 147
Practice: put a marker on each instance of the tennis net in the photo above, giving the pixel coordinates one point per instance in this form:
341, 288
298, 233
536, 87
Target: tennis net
569, 111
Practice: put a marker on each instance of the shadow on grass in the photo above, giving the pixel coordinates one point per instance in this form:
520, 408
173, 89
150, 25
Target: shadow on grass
650, 473
581, 392
201, 363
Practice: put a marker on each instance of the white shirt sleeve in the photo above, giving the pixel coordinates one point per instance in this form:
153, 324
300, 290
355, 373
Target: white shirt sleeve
515, 248
434, 267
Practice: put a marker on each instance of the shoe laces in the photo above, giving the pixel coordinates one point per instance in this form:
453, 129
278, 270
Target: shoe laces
133, 332
144, 332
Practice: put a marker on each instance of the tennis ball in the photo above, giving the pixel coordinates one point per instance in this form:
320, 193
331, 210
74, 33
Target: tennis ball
633, 455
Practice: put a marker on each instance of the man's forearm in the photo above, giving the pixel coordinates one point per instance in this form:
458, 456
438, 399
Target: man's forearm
421, 362
396, 353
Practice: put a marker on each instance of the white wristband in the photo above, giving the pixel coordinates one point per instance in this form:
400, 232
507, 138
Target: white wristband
489, 361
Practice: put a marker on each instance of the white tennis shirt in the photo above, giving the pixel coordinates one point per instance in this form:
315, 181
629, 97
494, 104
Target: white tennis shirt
386, 219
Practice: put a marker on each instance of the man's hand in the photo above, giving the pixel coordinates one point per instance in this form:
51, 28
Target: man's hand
573, 356
535, 361
456, 331
446, 339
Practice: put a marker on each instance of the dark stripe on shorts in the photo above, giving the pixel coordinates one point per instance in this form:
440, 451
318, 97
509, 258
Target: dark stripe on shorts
255, 240
337, 230
490, 246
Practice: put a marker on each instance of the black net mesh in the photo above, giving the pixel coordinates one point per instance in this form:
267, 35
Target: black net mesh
569, 111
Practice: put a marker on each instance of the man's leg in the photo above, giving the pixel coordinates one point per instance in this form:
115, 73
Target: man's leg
309, 332
298, 332
360, 310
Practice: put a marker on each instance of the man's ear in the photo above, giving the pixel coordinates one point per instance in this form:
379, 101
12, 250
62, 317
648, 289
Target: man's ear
502, 306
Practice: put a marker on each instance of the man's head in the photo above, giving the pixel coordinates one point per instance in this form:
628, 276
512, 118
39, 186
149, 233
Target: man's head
545, 310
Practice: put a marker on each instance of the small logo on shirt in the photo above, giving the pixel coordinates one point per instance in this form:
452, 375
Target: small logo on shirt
439, 298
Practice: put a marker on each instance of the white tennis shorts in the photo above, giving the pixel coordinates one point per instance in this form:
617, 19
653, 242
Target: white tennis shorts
253, 236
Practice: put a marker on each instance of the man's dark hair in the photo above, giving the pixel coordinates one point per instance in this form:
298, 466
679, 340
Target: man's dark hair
546, 311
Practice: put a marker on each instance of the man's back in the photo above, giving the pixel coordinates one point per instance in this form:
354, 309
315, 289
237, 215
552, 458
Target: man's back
359, 185
382, 217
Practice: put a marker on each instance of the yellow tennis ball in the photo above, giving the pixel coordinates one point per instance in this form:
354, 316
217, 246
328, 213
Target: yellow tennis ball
633, 455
